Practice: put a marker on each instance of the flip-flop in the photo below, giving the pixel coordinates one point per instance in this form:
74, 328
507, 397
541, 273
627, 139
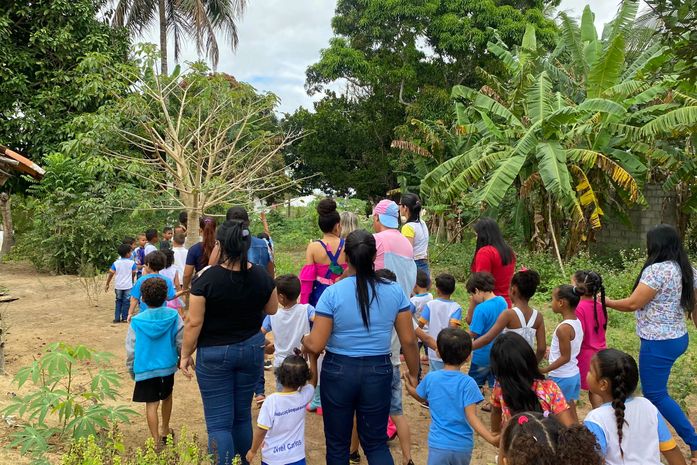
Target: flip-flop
164, 438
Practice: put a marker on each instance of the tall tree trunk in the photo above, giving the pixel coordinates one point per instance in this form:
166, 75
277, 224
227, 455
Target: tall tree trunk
8, 229
163, 37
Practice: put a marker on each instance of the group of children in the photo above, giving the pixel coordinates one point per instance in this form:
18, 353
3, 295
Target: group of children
131, 266
533, 417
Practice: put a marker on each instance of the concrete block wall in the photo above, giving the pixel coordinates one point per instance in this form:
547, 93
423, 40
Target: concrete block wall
661, 208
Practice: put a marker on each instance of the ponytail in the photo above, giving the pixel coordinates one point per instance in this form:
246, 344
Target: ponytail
360, 253
591, 283
571, 294
413, 204
207, 225
235, 240
622, 372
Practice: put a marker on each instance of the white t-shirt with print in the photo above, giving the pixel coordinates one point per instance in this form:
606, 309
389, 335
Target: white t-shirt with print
283, 415
289, 325
663, 317
419, 301
123, 269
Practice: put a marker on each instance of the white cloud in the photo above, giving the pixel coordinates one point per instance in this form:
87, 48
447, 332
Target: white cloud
279, 39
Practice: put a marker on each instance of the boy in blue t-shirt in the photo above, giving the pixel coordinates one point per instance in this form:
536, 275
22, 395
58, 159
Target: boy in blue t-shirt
122, 271
487, 307
153, 345
153, 263
452, 397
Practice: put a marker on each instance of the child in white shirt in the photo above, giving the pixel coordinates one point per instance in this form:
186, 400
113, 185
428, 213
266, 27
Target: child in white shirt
280, 431
629, 430
123, 271
441, 313
290, 323
179, 252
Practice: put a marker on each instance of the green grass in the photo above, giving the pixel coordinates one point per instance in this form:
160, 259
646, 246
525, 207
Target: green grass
291, 237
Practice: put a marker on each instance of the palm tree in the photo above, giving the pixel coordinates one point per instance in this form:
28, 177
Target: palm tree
198, 19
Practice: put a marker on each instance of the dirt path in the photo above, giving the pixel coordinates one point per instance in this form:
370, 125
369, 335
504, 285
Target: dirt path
56, 308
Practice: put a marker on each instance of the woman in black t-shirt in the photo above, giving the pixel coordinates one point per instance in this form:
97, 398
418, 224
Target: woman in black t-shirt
227, 306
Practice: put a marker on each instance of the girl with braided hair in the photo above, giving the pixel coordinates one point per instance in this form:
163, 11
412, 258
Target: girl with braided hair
532, 438
629, 430
592, 313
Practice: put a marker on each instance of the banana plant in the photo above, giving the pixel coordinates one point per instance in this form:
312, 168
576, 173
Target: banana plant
563, 128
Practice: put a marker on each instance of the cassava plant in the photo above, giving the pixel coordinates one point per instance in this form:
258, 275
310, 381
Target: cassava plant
72, 385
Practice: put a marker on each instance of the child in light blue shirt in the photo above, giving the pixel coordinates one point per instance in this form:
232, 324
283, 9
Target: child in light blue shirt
452, 397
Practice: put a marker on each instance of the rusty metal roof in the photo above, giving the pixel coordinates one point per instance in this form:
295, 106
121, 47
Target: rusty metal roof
12, 160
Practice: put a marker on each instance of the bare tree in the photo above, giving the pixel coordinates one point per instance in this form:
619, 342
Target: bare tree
202, 140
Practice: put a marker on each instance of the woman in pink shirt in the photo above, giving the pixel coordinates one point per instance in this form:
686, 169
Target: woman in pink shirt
593, 317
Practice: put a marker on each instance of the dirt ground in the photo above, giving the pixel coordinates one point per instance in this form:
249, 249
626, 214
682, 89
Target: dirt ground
57, 308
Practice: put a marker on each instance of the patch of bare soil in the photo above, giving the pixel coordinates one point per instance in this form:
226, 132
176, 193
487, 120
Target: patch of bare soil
57, 308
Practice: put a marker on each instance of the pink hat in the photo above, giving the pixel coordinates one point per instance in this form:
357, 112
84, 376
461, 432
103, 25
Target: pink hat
388, 213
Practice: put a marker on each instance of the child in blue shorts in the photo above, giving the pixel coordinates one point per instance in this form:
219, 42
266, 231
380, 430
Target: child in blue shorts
452, 397
566, 345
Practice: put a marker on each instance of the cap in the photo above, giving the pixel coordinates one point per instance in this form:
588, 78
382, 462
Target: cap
388, 213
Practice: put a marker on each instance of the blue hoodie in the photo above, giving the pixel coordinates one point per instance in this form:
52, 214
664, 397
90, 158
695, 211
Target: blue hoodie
153, 343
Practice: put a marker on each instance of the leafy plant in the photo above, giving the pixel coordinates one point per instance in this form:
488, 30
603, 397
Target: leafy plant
63, 406
95, 450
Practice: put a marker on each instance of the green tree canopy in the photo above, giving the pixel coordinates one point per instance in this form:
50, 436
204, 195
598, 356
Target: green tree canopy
56, 58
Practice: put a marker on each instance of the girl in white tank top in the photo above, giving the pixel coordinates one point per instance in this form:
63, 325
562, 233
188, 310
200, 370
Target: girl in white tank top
566, 344
523, 287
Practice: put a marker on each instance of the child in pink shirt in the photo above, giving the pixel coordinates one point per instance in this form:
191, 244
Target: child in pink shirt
593, 317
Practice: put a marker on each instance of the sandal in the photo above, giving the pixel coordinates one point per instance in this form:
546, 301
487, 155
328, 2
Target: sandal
164, 438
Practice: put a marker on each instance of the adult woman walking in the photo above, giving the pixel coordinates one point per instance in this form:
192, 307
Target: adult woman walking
494, 256
227, 306
415, 230
663, 294
325, 260
199, 253
354, 320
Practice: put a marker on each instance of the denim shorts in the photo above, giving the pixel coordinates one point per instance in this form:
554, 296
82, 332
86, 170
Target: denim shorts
570, 387
481, 375
396, 399
448, 457
434, 365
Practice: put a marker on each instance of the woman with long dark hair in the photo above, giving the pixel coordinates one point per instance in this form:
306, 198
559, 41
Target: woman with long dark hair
198, 255
493, 255
663, 296
415, 230
353, 322
226, 309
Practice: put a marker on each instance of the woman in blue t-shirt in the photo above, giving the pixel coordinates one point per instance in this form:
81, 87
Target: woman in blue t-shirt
353, 322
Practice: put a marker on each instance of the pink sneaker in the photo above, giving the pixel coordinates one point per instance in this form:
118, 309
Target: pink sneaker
319, 411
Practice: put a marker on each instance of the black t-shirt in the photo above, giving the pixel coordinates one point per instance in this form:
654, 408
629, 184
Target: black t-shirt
234, 304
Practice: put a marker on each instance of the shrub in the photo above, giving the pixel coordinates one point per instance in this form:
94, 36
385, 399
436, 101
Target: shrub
63, 406
95, 450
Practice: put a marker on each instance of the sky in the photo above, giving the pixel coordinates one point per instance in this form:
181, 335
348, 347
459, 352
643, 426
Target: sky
279, 39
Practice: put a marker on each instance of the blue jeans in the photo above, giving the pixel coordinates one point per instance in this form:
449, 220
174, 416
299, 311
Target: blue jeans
360, 386
656, 359
226, 377
123, 301
423, 266
260, 386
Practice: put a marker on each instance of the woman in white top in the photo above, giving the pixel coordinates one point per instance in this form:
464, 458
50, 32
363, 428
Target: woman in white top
415, 230
566, 345
664, 294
